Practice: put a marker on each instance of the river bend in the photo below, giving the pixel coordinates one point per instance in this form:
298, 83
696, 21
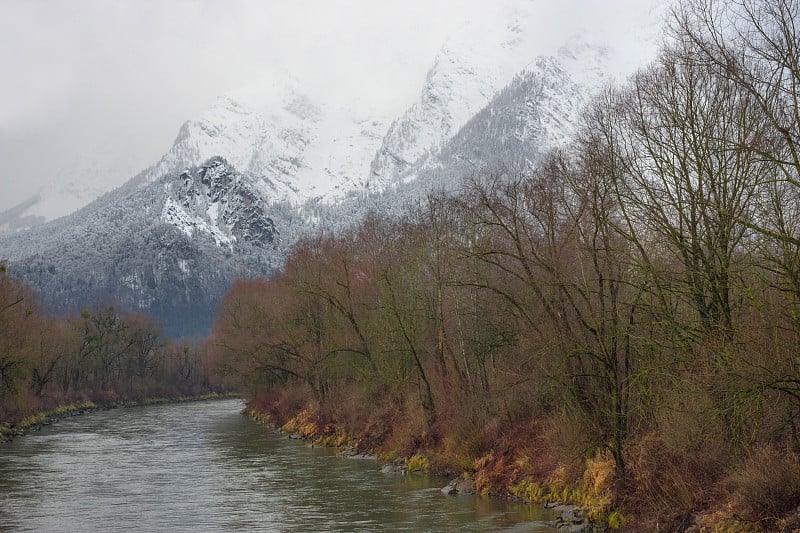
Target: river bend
202, 466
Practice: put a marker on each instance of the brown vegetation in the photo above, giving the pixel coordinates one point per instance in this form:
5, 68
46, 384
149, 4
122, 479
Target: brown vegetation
100, 356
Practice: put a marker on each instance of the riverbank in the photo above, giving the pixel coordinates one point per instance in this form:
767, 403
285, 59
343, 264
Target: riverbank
13, 429
519, 463
501, 473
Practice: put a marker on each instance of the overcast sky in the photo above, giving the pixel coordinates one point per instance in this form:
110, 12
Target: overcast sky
108, 83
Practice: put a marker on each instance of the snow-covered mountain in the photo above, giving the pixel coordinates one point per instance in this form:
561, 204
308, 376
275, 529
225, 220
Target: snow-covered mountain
170, 248
476, 63
471, 68
299, 148
537, 110
310, 148
272, 162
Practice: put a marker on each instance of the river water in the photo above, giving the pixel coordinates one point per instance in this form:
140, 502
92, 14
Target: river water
203, 466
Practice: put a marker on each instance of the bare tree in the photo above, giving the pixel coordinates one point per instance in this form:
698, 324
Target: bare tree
685, 192
755, 46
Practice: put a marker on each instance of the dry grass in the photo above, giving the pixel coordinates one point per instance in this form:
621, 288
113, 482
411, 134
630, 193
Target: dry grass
572, 442
519, 453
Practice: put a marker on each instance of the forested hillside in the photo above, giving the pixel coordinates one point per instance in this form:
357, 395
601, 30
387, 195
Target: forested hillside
616, 326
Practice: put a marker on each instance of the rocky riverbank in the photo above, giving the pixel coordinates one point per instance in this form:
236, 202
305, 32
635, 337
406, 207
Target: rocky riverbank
571, 518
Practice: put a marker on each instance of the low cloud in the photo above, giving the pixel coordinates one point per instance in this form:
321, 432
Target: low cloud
93, 82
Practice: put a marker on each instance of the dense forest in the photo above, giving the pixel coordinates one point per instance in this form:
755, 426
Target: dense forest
101, 356
617, 326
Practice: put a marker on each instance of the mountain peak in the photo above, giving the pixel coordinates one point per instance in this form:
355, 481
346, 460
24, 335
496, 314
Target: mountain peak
469, 71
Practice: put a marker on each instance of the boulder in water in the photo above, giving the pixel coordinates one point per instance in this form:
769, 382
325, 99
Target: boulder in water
459, 486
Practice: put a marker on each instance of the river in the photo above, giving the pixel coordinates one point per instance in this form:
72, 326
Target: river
203, 466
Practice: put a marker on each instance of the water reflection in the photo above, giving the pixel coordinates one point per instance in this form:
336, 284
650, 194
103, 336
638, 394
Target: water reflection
204, 467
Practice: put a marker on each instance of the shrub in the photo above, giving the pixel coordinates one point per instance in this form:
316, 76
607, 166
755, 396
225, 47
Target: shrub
666, 481
767, 486
418, 463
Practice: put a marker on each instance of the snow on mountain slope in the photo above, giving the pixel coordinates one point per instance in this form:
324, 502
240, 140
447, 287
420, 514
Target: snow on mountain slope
478, 61
69, 189
538, 110
298, 148
170, 248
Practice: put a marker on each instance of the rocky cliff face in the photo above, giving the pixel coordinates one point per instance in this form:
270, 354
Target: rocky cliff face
216, 200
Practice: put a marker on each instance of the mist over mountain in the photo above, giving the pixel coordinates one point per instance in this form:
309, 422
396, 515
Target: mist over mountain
272, 162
